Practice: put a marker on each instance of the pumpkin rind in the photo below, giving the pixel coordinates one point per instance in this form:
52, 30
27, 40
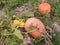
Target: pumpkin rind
44, 8
35, 22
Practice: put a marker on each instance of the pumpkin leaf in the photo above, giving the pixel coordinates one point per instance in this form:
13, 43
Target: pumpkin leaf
29, 14
9, 41
18, 34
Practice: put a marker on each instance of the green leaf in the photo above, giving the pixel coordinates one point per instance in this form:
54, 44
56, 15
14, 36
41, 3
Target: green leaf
38, 40
29, 14
18, 34
9, 41
57, 12
5, 32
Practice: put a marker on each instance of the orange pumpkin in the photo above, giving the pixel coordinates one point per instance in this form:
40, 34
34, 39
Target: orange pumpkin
44, 8
36, 23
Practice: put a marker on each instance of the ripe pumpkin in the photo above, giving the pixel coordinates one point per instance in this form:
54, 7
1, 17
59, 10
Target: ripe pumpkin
36, 23
44, 8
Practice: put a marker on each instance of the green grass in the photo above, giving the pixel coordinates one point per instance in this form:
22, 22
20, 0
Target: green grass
56, 39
